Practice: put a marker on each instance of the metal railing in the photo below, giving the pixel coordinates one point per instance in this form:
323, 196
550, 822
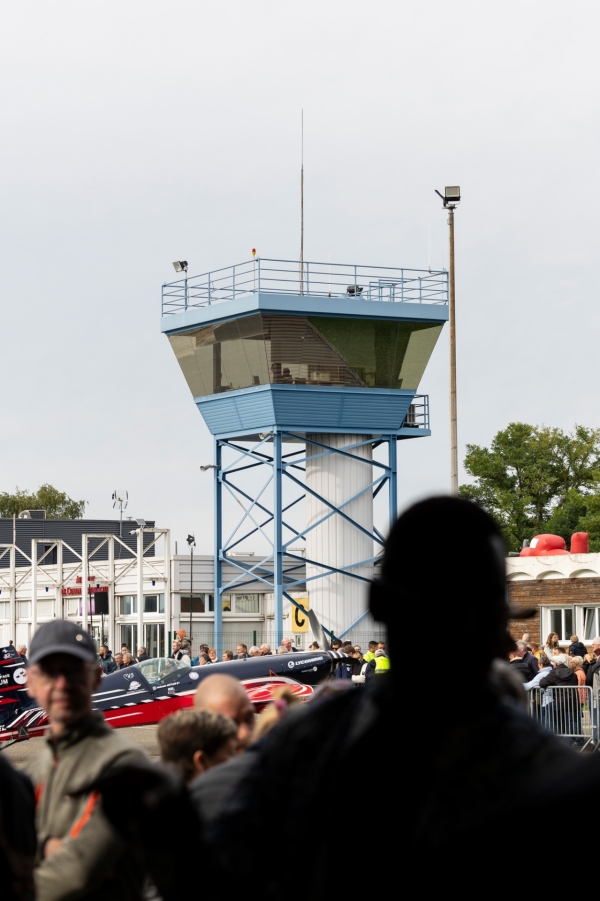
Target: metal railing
375, 283
566, 711
417, 416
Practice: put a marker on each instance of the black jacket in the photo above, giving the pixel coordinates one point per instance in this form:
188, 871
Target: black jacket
143, 657
593, 668
532, 664
560, 676
577, 649
519, 666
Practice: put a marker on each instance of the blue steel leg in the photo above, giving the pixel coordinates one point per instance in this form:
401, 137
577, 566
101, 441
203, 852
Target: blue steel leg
218, 600
278, 535
393, 487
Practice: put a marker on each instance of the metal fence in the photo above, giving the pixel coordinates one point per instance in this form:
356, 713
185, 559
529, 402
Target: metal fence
567, 711
376, 283
249, 637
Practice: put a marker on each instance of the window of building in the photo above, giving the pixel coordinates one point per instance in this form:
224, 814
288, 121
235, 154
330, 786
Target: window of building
591, 626
201, 603
24, 610
154, 603
246, 603
558, 619
129, 637
266, 348
4, 610
127, 605
241, 603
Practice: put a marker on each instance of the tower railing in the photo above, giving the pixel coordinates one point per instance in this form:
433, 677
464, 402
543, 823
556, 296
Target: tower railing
339, 280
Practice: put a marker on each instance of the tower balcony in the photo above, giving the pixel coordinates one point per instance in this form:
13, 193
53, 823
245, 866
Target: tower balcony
291, 278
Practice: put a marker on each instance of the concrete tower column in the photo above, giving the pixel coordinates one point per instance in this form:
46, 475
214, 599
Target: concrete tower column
337, 599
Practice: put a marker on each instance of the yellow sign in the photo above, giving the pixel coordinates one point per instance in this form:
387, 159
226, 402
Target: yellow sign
299, 620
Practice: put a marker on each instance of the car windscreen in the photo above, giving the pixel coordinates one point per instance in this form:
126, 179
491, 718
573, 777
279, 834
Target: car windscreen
160, 670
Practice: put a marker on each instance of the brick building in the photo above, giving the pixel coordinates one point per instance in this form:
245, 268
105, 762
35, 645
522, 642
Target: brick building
566, 591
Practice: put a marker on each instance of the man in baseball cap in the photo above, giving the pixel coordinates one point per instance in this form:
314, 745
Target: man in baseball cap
79, 852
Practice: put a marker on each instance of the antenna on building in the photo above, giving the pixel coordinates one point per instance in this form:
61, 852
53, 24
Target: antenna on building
430, 246
120, 499
302, 204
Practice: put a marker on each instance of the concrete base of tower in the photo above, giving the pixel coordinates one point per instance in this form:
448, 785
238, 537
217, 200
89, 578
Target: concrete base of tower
338, 599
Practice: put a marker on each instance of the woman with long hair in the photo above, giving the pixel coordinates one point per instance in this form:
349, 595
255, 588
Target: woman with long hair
552, 644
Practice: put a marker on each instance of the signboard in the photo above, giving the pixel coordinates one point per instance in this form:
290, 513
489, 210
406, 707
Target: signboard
299, 620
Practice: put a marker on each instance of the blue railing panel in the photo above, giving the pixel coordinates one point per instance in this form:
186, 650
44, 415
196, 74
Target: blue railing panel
374, 283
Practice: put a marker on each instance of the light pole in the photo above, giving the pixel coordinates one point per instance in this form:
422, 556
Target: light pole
451, 198
192, 544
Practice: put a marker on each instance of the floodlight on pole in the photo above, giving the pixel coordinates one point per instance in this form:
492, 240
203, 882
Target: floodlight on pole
180, 266
450, 198
191, 544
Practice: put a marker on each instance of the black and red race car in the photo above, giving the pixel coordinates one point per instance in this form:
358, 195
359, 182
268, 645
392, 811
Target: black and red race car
146, 692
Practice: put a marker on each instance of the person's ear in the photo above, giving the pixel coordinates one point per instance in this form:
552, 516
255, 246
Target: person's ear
198, 762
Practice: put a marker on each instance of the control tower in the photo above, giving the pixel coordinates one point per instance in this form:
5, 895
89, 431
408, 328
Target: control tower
301, 371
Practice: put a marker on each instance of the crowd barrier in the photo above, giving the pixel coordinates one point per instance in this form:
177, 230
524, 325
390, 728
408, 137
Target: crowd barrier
568, 711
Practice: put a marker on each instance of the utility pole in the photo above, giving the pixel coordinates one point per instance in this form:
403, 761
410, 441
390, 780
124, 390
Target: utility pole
451, 199
191, 542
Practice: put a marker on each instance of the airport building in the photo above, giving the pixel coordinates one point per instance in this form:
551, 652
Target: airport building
45, 564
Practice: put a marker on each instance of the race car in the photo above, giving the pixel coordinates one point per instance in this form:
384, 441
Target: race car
146, 692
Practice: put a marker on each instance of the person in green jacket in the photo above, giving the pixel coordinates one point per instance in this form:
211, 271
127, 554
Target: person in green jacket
80, 855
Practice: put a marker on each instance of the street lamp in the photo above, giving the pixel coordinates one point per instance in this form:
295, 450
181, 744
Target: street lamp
450, 198
191, 544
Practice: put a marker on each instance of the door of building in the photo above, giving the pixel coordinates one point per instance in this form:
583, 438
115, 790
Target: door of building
154, 639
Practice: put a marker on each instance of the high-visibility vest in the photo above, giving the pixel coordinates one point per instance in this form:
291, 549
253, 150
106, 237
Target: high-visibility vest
382, 665
368, 656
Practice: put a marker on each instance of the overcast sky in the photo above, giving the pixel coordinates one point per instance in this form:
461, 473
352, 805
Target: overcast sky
136, 133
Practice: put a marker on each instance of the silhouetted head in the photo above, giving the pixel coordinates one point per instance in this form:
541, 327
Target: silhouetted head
445, 557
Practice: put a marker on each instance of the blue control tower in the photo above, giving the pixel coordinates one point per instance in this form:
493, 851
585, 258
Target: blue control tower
302, 370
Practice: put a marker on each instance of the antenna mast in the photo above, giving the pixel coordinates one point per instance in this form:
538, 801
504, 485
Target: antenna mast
302, 205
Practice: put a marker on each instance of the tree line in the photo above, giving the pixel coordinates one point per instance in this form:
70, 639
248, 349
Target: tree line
536, 479
57, 504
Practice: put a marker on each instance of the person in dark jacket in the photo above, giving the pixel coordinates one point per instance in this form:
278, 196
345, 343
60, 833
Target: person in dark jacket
577, 648
518, 665
594, 667
17, 833
470, 780
106, 661
529, 660
142, 655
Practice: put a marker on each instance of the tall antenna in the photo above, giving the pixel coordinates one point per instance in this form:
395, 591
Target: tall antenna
120, 499
302, 205
430, 246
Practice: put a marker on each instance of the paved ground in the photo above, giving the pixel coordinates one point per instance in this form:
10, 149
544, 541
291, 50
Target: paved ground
25, 750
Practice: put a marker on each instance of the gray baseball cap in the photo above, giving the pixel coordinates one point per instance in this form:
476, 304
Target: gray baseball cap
62, 637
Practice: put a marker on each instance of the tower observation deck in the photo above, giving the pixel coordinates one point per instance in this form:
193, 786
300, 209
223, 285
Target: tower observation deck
301, 371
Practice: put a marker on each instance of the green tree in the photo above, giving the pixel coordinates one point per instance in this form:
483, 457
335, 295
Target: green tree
535, 479
57, 504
